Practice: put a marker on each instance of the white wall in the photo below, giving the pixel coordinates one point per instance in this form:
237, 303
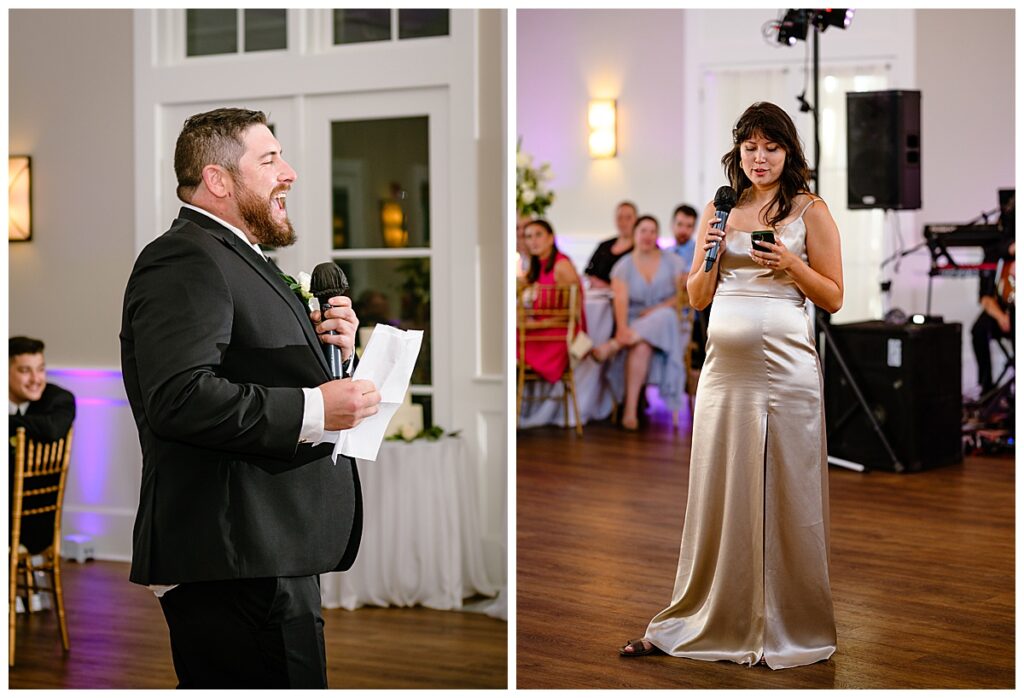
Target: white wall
70, 108
567, 57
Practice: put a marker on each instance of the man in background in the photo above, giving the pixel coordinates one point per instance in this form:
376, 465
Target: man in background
684, 222
996, 320
46, 411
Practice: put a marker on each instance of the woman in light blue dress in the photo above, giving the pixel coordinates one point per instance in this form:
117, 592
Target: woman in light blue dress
647, 345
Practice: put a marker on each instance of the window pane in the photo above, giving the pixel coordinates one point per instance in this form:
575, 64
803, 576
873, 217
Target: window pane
266, 30
353, 26
380, 183
393, 292
427, 401
211, 31
416, 23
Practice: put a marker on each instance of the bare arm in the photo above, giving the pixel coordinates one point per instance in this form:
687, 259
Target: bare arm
701, 285
565, 274
990, 305
821, 276
620, 304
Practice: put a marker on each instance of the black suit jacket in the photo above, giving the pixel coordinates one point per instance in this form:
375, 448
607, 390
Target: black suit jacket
215, 349
49, 417
46, 419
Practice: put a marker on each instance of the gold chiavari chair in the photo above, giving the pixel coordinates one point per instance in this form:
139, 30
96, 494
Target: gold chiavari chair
40, 473
546, 314
688, 318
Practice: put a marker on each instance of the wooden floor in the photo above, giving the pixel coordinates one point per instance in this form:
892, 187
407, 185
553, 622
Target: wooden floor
922, 569
119, 640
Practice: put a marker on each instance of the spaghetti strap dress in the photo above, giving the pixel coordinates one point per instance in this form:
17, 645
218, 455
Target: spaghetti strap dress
753, 574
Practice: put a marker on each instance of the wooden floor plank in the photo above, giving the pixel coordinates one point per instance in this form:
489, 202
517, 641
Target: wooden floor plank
922, 568
119, 640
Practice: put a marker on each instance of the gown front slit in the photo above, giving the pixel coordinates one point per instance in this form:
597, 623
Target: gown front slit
753, 574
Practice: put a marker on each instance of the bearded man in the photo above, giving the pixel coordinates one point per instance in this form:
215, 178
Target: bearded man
242, 505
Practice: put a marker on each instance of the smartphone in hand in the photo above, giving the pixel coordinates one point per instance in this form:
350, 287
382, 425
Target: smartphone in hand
759, 236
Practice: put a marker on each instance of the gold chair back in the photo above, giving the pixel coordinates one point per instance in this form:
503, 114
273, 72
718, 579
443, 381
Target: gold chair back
546, 314
40, 475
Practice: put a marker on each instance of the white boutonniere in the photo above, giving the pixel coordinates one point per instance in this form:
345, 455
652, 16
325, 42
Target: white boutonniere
301, 288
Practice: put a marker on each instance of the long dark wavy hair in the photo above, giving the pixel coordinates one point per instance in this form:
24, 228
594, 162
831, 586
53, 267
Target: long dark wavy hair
534, 273
771, 122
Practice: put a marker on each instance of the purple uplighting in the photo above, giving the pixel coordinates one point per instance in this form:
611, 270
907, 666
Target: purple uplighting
99, 402
84, 372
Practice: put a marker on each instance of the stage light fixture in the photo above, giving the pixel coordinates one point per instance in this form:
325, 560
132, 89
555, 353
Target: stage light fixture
793, 27
823, 19
795, 23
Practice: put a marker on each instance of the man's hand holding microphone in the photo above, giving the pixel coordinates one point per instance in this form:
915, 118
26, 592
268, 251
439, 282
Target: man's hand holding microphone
347, 402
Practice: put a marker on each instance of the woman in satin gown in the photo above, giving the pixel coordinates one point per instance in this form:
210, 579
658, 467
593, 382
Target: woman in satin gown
752, 584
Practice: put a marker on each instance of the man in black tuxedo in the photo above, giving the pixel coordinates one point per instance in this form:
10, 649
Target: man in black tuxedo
45, 410
242, 505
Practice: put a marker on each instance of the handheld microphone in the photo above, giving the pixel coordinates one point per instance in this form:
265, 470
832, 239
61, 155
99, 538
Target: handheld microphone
327, 281
725, 199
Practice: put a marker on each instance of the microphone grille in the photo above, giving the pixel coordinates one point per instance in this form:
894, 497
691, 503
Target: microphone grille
327, 280
725, 198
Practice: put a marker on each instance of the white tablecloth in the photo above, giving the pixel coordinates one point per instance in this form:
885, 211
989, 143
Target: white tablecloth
421, 531
592, 392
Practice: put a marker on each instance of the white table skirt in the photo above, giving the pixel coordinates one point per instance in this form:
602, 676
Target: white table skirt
593, 394
421, 531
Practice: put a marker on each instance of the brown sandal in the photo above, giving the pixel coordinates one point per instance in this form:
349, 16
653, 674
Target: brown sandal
637, 649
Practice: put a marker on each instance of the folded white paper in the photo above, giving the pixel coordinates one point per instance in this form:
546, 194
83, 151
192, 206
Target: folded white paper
387, 362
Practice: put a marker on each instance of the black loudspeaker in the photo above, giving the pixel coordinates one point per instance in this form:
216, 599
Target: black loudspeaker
910, 377
883, 149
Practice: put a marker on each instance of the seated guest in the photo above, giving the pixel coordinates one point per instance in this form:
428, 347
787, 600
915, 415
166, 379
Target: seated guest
645, 284
549, 267
610, 251
684, 222
45, 410
522, 254
997, 317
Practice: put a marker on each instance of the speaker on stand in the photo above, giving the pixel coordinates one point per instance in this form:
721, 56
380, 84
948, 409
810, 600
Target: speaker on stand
883, 149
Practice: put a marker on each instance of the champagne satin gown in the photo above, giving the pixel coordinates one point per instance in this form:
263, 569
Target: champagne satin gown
753, 575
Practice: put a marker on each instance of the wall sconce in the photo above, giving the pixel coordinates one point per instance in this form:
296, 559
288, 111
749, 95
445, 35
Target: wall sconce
19, 198
392, 219
601, 118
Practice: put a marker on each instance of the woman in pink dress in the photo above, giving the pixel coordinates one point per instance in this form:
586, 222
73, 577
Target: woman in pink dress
549, 267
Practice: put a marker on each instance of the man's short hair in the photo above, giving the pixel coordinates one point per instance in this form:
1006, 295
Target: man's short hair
629, 203
685, 209
211, 138
23, 345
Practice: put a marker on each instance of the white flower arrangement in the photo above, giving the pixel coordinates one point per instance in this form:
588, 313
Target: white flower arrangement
533, 197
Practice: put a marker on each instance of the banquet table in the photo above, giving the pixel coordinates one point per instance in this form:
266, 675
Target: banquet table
422, 540
593, 394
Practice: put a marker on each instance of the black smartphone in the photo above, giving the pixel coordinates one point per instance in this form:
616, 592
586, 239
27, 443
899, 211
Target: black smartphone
762, 236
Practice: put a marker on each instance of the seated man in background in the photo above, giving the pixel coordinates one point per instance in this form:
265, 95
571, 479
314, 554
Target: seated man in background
997, 311
46, 411
684, 223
